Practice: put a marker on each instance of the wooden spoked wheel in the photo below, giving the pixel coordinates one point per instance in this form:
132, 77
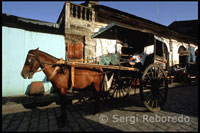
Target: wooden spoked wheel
120, 88
154, 87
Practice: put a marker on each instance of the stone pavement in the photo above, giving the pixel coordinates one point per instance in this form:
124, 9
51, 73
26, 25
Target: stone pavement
179, 114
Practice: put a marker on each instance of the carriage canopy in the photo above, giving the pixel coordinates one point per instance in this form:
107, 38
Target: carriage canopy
127, 35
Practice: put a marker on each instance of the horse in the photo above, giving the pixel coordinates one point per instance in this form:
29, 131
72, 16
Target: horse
84, 76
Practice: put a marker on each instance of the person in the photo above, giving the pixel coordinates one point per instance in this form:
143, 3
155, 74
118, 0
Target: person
138, 58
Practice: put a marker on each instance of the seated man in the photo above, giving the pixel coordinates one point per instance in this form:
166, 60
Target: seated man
138, 58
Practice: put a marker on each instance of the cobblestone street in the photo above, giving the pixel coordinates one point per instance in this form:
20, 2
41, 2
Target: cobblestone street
180, 113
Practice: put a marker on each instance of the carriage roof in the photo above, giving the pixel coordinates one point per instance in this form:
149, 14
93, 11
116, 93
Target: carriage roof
132, 37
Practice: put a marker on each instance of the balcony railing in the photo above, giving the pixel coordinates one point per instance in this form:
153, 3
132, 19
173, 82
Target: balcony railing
81, 12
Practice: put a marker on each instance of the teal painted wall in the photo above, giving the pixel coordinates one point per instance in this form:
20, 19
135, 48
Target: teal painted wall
15, 45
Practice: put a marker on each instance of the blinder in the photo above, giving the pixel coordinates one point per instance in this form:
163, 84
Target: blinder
36, 57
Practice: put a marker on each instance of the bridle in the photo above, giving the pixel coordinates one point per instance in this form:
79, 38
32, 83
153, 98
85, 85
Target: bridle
36, 57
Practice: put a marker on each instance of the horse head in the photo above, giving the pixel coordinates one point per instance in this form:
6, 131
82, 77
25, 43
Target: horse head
31, 64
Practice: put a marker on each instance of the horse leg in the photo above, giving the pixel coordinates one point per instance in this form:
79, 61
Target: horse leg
63, 106
97, 100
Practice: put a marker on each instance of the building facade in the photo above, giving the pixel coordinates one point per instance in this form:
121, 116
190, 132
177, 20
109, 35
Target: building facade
85, 19
70, 38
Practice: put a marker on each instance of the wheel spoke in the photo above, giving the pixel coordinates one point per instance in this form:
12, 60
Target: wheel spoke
120, 90
117, 93
150, 97
124, 93
149, 77
155, 75
160, 95
159, 99
156, 101
151, 100
152, 73
114, 90
147, 88
148, 94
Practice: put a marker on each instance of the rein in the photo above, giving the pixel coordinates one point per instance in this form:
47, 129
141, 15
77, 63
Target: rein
61, 61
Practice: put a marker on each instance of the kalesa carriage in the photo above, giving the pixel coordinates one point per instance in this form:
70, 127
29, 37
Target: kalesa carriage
116, 73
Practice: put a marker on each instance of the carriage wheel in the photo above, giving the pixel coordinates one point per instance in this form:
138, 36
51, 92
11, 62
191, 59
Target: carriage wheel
120, 88
154, 87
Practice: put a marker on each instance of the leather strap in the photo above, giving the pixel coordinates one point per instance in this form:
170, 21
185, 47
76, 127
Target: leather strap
61, 61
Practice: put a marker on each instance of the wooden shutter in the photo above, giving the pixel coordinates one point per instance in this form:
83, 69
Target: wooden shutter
74, 46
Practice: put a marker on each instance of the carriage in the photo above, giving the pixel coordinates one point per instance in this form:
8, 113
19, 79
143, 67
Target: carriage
125, 76
115, 72
152, 75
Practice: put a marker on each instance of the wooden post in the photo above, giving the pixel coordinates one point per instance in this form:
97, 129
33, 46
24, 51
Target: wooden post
67, 14
72, 73
76, 10
81, 9
171, 51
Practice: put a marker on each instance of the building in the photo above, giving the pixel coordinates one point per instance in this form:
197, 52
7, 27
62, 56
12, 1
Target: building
189, 27
71, 37
81, 21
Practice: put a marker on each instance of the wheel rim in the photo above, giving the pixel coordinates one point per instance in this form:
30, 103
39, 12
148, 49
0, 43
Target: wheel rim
154, 87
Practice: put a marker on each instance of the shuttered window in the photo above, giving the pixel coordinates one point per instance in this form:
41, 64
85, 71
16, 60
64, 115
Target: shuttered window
74, 46
74, 50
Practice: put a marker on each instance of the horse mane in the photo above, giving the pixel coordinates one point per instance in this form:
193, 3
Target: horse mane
48, 55
49, 58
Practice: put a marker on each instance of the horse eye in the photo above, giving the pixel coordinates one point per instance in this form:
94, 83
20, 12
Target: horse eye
28, 61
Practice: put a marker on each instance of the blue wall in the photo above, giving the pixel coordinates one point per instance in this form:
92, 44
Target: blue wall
15, 45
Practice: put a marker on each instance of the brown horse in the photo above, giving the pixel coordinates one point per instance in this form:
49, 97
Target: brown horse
83, 77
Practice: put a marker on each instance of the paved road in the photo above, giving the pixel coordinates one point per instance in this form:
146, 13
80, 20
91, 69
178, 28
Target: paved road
179, 114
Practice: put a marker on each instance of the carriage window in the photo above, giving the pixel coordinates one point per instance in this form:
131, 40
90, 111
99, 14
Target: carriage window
159, 48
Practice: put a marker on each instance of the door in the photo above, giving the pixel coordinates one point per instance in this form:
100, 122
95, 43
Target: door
183, 55
74, 46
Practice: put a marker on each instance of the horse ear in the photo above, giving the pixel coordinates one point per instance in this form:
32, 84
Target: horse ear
37, 48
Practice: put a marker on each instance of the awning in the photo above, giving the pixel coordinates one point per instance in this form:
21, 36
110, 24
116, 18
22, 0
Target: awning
107, 32
124, 34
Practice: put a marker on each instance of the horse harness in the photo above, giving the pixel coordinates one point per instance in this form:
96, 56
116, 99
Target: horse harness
61, 61
59, 64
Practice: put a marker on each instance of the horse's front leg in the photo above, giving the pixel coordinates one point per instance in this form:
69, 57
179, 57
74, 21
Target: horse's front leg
63, 106
97, 102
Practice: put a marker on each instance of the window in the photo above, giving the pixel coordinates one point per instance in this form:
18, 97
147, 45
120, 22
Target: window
74, 46
159, 48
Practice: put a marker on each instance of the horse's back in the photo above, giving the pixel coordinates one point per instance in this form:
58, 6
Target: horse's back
84, 77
